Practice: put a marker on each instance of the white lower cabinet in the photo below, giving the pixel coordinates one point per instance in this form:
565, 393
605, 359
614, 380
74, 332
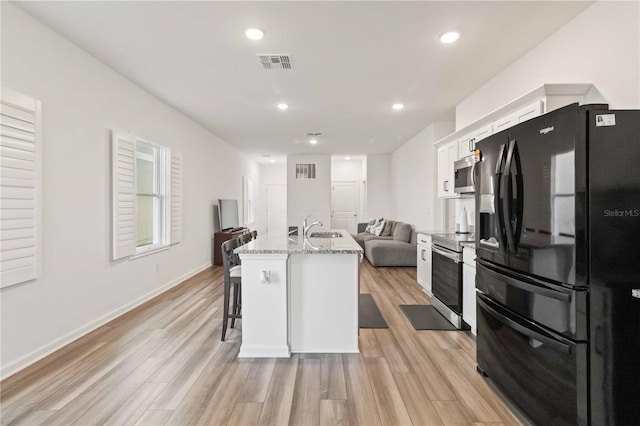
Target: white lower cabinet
424, 262
469, 288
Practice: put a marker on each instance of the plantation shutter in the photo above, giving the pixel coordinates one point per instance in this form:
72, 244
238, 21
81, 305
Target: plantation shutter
20, 164
176, 198
124, 194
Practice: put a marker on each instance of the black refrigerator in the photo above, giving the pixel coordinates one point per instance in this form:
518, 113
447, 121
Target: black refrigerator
558, 271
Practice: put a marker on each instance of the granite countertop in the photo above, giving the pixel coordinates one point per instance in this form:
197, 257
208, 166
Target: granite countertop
430, 232
278, 243
469, 244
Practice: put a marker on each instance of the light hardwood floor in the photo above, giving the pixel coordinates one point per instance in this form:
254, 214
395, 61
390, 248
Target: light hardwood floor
164, 363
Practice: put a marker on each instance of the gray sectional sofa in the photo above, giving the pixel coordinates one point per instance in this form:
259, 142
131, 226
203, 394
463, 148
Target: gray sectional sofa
398, 249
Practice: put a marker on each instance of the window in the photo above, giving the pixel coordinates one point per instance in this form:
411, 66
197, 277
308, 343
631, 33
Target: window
151, 196
147, 186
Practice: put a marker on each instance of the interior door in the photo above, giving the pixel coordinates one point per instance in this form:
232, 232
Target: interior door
277, 209
345, 199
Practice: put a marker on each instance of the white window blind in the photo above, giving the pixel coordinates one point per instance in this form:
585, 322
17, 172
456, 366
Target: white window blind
124, 192
176, 198
147, 195
20, 173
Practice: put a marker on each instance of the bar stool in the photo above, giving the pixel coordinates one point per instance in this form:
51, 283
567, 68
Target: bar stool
232, 275
244, 239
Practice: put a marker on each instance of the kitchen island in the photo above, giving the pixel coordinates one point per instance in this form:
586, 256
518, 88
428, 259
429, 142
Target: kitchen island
299, 295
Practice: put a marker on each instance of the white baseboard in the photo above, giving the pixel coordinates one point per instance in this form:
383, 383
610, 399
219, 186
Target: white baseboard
264, 351
49, 348
331, 350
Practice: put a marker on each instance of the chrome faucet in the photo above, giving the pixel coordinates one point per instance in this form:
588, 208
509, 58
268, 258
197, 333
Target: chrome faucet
306, 228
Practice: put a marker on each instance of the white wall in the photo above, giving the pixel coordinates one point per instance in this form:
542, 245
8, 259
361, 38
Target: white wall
346, 170
80, 287
413, 178
599, 46
379, 188
309, 196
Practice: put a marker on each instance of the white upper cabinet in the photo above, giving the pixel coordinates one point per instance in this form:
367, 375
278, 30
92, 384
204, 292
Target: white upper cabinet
532, 110
467, 143
447, 155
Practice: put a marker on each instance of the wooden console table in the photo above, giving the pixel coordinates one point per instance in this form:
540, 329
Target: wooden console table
221, 237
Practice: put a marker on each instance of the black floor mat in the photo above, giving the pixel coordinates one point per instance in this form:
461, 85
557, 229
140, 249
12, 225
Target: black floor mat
369, 315
426, 317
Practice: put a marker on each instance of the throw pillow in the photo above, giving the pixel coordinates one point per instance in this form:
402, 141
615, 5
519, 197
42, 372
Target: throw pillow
402, 232
369, 226
388, 228
393, 228
379, 228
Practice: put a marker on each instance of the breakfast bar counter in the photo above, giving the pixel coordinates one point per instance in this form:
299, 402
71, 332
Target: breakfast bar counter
299, 294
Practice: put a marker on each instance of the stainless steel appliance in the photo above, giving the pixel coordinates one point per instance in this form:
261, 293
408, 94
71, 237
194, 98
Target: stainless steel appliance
446, 276
557, 211
464, 172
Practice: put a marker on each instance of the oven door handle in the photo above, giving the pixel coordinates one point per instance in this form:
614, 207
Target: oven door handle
455, 257
485, 302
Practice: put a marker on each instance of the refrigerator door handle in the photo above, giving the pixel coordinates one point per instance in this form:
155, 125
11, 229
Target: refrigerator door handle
508, 205
519, 196
484, 303
498, 200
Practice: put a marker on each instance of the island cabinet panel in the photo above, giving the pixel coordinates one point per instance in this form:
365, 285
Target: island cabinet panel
323, 303
264, 306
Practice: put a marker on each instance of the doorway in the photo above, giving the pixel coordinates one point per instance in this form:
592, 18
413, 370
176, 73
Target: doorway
345, 202
277, 209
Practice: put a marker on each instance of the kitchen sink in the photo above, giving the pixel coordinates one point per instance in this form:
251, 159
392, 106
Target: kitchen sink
325, 235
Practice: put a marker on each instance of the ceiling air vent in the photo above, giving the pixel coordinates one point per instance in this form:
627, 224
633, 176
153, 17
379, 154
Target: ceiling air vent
276, 62
305, 171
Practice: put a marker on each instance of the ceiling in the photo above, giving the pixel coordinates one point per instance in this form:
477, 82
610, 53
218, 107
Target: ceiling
351, 62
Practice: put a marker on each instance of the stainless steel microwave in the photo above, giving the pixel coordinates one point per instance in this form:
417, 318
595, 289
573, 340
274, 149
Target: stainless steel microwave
464, 179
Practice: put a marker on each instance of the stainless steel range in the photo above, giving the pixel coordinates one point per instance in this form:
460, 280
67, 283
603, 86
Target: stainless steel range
446, 275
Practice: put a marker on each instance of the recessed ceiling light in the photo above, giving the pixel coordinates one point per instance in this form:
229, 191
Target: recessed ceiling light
273, 161
313, 141
254, 33
347, 158
283, 107
397, 107
449, 37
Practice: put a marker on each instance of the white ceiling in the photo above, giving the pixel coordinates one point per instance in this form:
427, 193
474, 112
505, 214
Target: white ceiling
352, 61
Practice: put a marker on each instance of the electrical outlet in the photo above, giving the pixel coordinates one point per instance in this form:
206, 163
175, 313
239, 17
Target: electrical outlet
157, 267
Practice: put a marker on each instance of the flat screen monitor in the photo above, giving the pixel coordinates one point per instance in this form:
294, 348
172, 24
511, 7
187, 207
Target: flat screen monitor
228, 214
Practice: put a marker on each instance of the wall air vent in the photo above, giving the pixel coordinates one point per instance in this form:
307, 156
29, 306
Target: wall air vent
276, 61
305, 171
